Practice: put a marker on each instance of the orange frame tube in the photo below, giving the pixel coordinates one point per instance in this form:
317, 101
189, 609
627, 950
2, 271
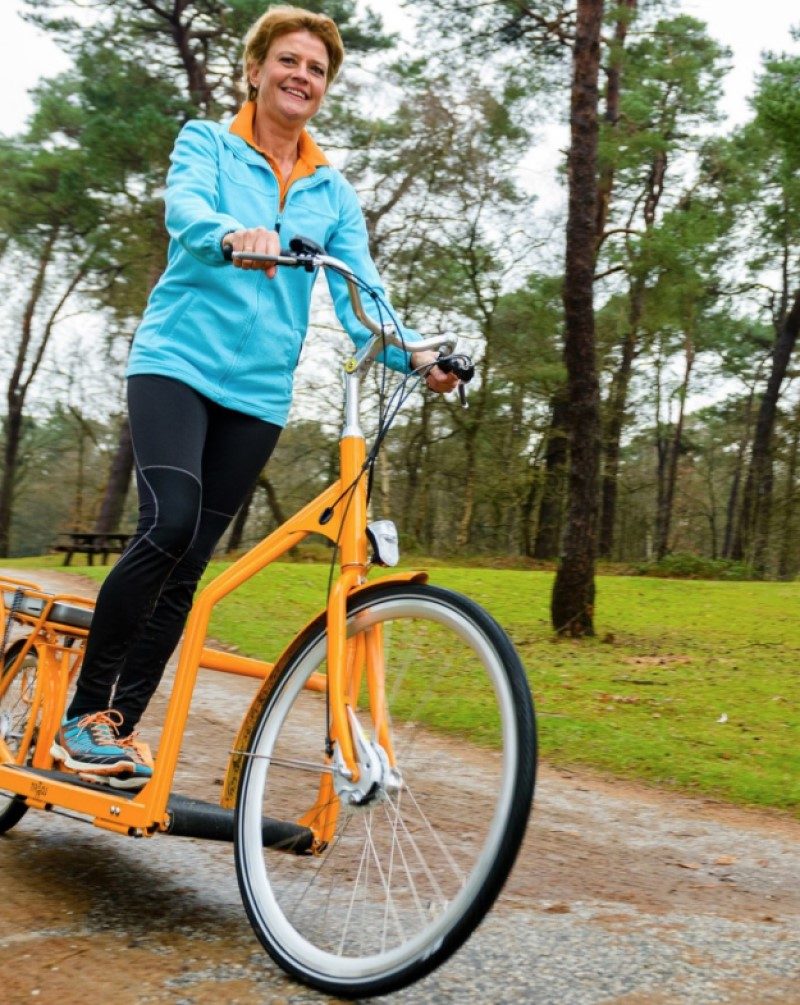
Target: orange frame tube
340, 514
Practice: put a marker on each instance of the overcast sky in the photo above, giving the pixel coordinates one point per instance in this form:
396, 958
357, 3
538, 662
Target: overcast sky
748, 28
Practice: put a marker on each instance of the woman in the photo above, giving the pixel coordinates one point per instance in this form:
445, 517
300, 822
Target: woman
210, 372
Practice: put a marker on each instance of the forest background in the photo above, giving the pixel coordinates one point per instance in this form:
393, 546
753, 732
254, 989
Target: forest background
696, 276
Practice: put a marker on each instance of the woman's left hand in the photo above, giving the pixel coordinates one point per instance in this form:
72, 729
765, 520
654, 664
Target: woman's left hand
435, 379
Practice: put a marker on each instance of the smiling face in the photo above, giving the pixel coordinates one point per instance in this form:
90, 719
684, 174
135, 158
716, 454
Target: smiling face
292, 80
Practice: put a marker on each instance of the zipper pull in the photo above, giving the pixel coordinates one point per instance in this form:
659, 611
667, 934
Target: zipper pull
278, 222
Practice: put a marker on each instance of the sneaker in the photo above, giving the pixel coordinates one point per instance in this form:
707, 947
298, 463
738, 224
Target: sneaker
89, 743
142, 771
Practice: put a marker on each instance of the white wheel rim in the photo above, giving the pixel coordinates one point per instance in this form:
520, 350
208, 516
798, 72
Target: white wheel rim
281, 931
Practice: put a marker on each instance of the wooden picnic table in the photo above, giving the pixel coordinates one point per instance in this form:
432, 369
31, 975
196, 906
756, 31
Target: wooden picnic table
90, 544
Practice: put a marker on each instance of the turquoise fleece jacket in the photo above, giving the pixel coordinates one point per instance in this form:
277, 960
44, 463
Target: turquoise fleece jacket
232, 334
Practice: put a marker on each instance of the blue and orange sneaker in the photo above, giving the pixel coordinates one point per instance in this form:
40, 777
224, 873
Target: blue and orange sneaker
89, 745
142, 771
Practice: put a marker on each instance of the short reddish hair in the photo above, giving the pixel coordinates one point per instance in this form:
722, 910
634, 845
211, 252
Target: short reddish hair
282, 21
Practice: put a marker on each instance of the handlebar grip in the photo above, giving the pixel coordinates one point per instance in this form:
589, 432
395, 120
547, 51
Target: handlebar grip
227, 252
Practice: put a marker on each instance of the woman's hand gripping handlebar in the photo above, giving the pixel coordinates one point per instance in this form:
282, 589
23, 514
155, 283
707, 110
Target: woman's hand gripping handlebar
461, 368
254, 248
433, 357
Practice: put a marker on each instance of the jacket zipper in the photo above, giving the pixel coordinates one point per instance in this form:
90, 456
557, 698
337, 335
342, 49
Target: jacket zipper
311, 180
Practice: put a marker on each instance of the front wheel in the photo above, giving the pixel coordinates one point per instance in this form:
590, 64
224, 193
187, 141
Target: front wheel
17, 689
408, 866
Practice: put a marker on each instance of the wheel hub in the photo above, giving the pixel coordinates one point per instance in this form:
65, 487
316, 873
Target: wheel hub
377, 779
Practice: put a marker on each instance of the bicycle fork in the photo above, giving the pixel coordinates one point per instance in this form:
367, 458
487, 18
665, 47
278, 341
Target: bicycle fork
361, 769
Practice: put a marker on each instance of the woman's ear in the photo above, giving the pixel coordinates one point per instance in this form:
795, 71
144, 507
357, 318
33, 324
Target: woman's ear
253, 74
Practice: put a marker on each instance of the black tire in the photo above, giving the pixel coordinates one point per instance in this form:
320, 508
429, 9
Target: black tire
16, 689
443, 652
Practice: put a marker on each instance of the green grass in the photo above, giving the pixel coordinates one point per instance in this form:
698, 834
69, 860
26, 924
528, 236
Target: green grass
643, 700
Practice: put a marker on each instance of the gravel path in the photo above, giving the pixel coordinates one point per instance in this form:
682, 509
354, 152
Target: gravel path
622, 894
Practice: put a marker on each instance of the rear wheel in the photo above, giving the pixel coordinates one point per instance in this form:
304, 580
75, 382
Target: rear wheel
414, 859
17, 687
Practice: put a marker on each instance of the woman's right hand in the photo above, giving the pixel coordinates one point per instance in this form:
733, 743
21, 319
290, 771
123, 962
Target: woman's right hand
258, 240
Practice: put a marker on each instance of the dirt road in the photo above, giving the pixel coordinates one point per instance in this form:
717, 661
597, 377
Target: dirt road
622, 894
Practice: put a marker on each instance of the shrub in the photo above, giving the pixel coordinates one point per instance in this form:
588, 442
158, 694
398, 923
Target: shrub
683, 565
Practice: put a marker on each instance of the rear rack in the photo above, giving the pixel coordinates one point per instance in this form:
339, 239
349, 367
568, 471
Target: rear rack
26, 603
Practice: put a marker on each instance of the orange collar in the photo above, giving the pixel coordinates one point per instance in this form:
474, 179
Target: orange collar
309, 155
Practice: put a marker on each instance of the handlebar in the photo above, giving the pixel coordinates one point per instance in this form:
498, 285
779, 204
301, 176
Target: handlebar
304, 253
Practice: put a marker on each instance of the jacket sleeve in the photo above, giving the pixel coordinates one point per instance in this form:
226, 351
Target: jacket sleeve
192, 195
350, 243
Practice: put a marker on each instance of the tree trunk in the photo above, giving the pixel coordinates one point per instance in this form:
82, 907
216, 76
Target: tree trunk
572, 605
611, 115
672, 454
239, 521
385, 484
415, 495
464, 531
17, 388
273, 502
472, 424
13, 437
551, 509
787, 562
615, 421
526, 513
732, 540
516, 465
200, 91
661, 448
618, 395
112, 507
757, 501
712, 507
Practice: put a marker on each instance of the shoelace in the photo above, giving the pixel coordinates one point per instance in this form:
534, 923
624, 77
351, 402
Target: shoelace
102, 727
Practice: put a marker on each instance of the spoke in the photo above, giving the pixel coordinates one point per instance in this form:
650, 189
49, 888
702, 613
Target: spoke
286, 762
393, 821
386, 890
437, 890
16, 706
15, 709
389, 880
365, 900
397, 665
457, 870
323, 860
388, 901
346, 925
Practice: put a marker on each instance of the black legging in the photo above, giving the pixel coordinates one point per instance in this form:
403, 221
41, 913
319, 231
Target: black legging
195, 462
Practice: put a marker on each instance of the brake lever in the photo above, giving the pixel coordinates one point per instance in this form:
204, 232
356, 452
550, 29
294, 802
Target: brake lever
461, 365
306, 250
